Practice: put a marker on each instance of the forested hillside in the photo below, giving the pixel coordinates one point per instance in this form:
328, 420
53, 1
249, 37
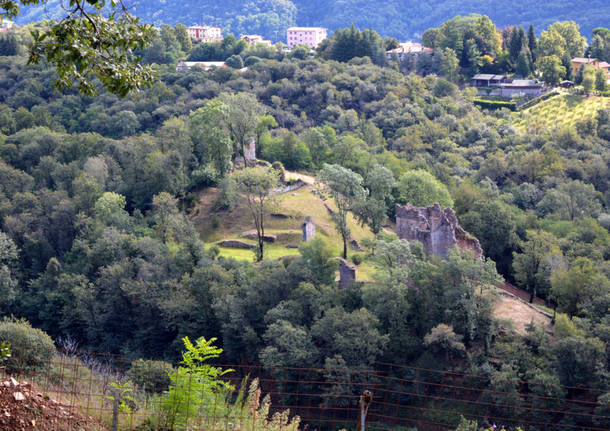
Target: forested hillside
100, 200
403, 19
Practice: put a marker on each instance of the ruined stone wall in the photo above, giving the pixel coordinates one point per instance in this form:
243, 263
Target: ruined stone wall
347, 273
437, 229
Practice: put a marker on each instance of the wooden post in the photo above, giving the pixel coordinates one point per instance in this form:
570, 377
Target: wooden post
365, 402
115, 410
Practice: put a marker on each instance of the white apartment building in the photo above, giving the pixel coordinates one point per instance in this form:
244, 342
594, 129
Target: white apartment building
310, 36
204, 33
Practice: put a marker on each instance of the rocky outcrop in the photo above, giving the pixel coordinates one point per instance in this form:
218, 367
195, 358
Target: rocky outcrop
437, 229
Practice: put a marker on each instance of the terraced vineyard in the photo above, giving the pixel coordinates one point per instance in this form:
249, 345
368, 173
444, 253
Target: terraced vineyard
558, 112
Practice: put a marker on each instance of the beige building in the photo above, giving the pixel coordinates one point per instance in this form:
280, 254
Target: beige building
310, 36
204, 33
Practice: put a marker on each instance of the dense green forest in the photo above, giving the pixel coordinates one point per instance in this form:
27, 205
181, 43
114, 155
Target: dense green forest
397, 18
97, 244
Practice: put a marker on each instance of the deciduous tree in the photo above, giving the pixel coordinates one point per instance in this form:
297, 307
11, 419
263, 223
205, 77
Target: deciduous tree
256, 185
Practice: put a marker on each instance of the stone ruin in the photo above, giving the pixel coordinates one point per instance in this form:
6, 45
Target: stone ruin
309, 229
250, 150
437, 229
347, 273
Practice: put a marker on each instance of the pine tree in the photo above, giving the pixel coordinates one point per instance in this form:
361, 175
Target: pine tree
522, 68
532, 42
514, 45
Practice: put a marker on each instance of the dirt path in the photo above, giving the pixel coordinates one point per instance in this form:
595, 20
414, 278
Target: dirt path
508, 307
308, 179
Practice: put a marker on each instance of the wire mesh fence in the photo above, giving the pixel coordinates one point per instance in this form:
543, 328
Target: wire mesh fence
90, 392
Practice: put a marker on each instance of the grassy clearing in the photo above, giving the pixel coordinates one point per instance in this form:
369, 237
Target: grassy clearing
294, 206
561, 111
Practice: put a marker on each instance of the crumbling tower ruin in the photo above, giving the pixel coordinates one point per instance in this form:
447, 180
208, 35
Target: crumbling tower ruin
438, 230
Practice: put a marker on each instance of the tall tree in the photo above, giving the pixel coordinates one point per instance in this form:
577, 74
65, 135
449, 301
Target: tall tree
551, 68
243, 114
346, 189
450, 64
209, 132
532, 42
531, 264
256, 185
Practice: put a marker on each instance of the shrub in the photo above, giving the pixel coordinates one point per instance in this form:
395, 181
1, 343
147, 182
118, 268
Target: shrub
278, 166
153, 376
235, 61
204, 177
196, 388
228, 195
32, 349
216, 222
357, 259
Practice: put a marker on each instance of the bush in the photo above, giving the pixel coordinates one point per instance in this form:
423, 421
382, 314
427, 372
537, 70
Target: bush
235, 61
204, 177
278, 166
216, 222
228, 195
357, 259
32, 349
152, 376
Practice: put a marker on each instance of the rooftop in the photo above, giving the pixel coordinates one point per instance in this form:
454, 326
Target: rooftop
488, 76
584, 60
305, 28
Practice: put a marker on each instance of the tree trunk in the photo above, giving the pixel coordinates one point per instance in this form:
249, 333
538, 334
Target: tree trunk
243, 152
344, 248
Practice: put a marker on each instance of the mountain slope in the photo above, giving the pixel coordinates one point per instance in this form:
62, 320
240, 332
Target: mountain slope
403, 19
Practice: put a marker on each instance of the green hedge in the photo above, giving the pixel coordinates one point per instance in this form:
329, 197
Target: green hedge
495, 104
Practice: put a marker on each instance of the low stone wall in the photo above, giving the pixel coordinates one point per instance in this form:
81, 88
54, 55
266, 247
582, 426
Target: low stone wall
235, 243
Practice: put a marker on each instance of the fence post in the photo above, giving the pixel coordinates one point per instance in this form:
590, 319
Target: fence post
365, 402
115, 409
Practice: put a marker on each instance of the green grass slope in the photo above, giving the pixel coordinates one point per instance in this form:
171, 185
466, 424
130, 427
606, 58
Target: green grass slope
559, 112
294, 206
